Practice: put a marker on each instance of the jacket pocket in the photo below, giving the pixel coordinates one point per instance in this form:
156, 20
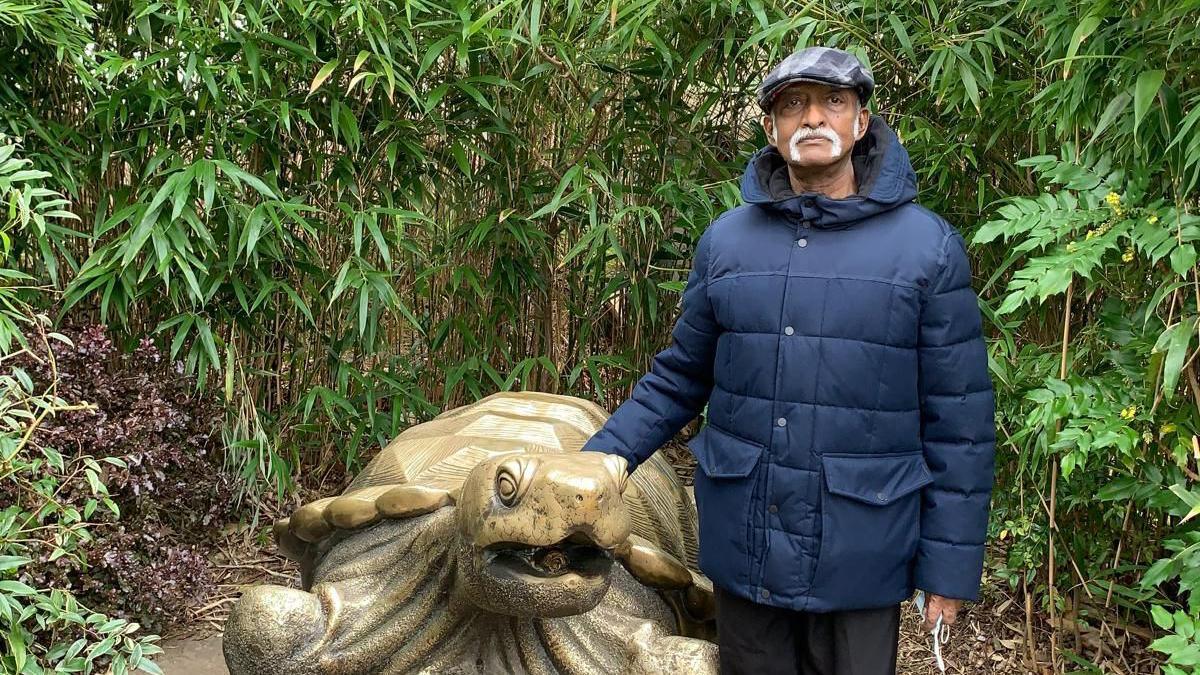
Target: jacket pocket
722, 454
870, 524
725, 483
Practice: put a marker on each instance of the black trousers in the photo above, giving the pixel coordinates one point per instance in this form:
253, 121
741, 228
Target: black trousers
765, 640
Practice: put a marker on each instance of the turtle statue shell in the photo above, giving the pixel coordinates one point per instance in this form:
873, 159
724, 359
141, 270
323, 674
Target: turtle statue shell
484, 541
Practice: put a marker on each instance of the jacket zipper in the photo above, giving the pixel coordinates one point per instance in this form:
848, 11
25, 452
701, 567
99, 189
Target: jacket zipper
766, 480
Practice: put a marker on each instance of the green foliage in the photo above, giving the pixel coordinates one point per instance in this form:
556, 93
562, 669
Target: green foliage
348, 217
1113, 228
1180, 645
45, 629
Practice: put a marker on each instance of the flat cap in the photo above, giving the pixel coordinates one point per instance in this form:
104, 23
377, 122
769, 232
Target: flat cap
825, 65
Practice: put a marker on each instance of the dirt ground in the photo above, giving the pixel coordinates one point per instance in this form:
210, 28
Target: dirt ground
988, 637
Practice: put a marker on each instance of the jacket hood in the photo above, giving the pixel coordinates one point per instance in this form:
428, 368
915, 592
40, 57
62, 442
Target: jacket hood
885, 176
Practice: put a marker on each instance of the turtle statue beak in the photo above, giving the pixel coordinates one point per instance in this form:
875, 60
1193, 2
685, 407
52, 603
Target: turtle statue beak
538, 534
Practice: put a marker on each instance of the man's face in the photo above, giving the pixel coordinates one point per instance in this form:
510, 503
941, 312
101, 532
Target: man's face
814, 124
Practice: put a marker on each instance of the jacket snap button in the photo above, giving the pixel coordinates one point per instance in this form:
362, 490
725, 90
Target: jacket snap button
764, 594
881, 497
802, 243
773, 509
788, 330
781, 422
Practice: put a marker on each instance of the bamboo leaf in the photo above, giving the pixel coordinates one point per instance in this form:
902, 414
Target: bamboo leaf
360, 60
1148, 84
460, 156
901, 35
1113, 110
1082, 31
487, 16
362, 310
1175, 341
210, 345
433, 53
535, 23
322, 75
968, 80
231, 170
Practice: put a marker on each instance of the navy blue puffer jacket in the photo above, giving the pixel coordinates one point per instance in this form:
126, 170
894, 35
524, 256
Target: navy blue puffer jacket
848, 452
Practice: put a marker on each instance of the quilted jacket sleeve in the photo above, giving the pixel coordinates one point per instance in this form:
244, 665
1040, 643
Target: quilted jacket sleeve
679, 382
957, 430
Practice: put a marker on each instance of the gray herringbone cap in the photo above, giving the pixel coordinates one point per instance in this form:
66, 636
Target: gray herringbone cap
825, 65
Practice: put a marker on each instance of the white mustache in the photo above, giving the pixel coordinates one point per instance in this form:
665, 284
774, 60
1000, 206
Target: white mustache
835, 142
820, 132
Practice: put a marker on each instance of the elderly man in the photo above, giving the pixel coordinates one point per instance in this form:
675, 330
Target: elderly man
830, 325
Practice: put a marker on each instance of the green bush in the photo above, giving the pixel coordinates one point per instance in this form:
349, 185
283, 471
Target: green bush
45, 629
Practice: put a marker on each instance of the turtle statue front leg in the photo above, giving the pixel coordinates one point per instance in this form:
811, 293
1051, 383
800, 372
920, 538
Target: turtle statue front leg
270, 627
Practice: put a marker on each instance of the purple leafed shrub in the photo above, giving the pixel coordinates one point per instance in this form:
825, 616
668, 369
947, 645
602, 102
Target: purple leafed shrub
150, 563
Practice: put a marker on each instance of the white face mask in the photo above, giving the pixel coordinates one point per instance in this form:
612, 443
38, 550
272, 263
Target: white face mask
835, 142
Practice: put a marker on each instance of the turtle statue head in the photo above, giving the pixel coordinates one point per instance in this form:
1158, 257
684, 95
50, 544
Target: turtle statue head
486, 540
537, 532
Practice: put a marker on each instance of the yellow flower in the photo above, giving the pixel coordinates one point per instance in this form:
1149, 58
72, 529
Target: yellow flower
1127, 413
1090, 234
1112, 198
1152, 219
1070, 247
1127, 256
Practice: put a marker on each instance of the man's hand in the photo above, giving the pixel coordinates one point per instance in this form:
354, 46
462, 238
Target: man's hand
937, 604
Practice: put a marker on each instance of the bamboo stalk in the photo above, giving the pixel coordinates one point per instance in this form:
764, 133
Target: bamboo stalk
1062, 374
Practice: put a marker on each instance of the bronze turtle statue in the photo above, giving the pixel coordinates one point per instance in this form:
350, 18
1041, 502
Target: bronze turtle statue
484, 541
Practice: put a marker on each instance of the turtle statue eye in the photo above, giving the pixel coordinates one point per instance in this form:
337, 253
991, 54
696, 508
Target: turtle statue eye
506, 487
510, 480
513, 477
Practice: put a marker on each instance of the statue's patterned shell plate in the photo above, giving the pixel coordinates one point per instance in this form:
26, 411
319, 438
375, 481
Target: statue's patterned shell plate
439, 454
